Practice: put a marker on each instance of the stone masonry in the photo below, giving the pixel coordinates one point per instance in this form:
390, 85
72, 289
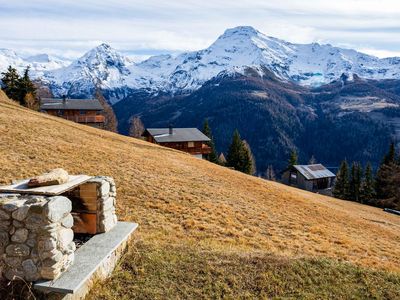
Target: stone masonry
36, 239
106, 193
37, 232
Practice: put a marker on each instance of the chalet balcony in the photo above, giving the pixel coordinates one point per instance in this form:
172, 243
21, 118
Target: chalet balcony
85, 119
204, 149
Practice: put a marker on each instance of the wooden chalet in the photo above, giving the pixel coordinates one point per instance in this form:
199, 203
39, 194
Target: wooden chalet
313, 178
84, 111
190, 140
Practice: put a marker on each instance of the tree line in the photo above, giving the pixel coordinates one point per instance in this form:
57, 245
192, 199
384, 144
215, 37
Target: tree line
20, 88
358, 184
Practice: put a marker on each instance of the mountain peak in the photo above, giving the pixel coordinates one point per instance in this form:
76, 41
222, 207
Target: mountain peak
241, 31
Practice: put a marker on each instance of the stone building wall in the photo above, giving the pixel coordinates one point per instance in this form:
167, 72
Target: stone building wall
36, 239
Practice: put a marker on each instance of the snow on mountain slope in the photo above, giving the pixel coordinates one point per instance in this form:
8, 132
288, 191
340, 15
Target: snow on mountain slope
38, 63
237, 50
101, 66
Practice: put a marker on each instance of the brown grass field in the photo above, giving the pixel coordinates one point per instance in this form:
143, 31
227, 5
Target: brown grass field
207, 231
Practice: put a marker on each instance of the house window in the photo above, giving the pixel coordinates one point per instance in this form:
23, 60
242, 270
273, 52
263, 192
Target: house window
82, 112
60, 112
190, 144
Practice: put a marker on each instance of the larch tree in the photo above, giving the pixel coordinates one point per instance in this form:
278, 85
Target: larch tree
270, 173
136, 128
249, 163
111, 123
312, 160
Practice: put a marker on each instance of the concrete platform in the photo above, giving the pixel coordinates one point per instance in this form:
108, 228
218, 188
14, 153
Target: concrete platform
95, 260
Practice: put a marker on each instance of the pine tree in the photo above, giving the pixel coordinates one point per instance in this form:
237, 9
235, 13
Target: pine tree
239, 155
293, 159
136, 128
213, 156
235, 151
390, 157
381, 181
341, 189
25, 87
355, 182
11, 80
368, 186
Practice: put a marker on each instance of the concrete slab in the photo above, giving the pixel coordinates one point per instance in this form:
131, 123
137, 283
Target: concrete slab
95, 260
21, 187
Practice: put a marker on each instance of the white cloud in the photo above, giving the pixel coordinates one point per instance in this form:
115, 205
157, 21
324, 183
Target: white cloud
70, 28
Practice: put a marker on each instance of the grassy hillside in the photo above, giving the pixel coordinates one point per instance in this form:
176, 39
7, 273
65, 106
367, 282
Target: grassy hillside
207, 231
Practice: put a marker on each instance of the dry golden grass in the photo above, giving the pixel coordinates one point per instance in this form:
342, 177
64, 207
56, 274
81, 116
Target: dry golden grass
176, 198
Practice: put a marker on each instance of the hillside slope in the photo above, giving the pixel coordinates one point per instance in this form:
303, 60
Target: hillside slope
207, 231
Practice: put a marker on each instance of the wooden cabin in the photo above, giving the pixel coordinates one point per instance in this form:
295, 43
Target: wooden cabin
83, 111
190, 140
314, 178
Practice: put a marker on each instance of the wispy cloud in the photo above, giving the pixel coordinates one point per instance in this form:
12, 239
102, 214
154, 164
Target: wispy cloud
153, 26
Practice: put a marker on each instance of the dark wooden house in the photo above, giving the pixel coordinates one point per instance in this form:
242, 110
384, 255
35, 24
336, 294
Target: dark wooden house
190, 140
84, 111
313, 178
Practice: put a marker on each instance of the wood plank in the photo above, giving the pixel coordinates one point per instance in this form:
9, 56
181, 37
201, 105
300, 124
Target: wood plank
52, 190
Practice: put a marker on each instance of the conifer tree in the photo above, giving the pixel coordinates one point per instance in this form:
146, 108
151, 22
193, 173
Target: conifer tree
239, 155
355, 182
10, 83
213, 156
368, 186
381, 182
293, 159
235, 151
341, 189
25, 87
390, 157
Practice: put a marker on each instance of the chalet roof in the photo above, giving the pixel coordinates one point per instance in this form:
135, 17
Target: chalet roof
70, 104
161, 135
316, 171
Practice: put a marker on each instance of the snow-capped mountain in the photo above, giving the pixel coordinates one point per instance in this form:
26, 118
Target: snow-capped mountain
38, 63
101, 66
235, 51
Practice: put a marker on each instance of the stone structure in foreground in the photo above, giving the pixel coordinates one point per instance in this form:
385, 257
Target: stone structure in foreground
37, 231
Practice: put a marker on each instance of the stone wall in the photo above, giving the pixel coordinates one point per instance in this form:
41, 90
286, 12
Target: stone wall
36, 239
106, 193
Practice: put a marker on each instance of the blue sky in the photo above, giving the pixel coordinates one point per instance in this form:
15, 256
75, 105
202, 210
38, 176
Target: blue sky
142, 28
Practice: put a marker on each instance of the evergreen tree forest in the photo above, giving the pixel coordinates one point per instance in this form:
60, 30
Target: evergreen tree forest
20, 88
382, 190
